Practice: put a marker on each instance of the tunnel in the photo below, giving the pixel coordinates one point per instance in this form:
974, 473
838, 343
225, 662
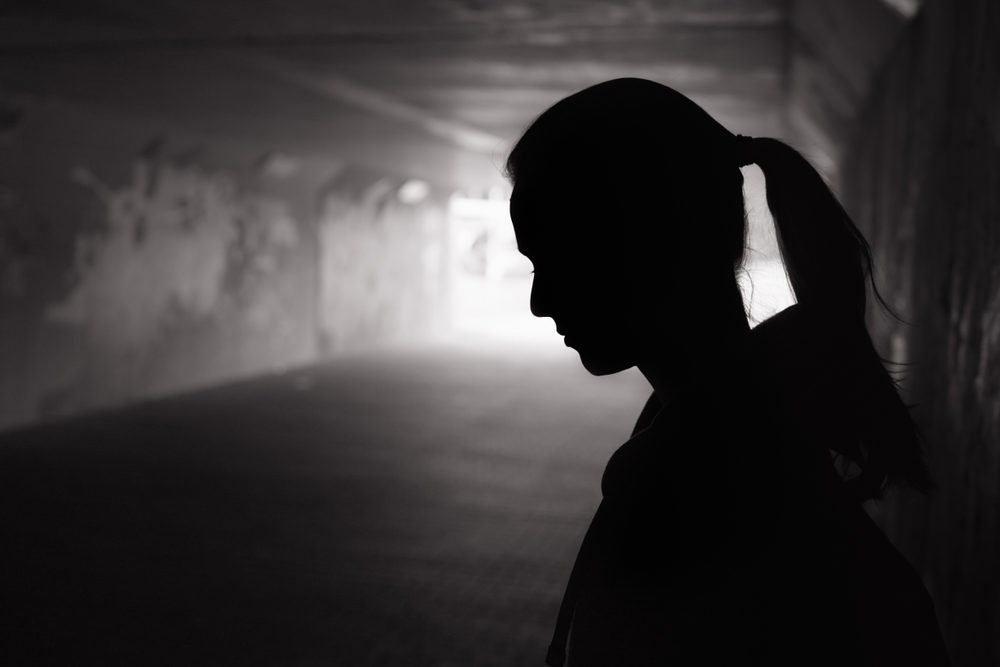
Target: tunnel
271, 391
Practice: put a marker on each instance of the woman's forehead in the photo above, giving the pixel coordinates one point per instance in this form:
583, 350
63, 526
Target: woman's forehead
529, 196
532, 211
536, 200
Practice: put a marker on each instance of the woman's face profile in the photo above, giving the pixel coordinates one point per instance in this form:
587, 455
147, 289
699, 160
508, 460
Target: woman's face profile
580, 279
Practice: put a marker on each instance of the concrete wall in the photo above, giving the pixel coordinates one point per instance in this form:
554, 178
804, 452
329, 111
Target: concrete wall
835, 50
385, 268
138, 259
923, 179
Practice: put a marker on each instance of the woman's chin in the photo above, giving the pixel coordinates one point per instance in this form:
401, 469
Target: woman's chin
603, 365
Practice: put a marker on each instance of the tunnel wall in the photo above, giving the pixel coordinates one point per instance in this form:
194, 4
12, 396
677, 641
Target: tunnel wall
923, 180
138, 259
834, 51
404, 293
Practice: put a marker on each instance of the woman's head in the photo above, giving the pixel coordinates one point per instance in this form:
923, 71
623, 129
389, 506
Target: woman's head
628, 201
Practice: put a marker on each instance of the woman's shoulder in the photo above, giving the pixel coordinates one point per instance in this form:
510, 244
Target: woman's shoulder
650, 410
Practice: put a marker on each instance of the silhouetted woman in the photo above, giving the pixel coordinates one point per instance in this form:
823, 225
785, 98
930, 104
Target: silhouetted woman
726, 534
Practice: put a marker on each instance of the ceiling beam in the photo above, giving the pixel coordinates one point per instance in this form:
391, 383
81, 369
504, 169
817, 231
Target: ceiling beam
339, 89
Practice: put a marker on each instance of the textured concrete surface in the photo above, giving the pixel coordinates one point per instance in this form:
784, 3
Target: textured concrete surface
138, 259
405, 509
924, 182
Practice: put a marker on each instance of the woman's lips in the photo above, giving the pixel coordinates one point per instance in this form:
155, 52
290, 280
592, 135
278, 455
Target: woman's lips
566, 338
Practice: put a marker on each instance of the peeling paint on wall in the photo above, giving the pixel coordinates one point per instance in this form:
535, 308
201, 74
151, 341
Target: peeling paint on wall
172, 236
138, 261
163, 254
181, 248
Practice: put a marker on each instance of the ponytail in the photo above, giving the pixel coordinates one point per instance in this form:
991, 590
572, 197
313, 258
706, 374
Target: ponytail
829, 265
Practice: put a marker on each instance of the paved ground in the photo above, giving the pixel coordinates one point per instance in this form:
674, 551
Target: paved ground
410, 508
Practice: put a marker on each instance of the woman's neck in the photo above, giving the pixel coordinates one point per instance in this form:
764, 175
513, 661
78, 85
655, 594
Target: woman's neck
708, 359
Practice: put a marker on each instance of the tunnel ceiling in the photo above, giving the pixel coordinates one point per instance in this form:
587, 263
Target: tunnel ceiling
344, 77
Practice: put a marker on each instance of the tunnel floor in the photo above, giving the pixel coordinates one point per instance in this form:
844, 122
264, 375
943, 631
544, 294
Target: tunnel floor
411, 507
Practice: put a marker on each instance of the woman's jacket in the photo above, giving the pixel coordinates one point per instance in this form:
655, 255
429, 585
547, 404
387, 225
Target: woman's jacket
725, 535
